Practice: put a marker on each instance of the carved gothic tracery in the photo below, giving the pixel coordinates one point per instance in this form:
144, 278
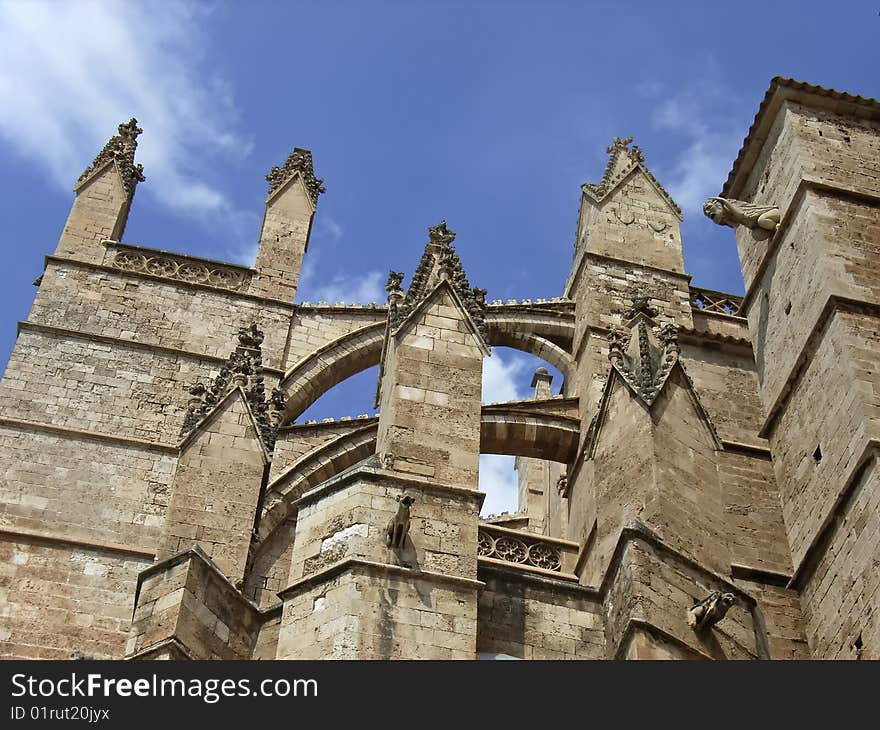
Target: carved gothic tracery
244, 368
181, 269
526, 551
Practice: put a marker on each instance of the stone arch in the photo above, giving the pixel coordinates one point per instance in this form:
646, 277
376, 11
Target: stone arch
538, 346
547, 336
558, 327
311, 469
504, 430
507, 430
329, 365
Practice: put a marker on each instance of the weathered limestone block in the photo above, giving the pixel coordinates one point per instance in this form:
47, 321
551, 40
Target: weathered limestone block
217, 486
530, 617
187, 609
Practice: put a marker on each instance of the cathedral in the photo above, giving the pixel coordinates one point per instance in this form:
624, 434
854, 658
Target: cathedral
705, 484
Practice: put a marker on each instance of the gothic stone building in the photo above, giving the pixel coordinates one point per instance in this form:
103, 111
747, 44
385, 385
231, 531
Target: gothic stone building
705, 486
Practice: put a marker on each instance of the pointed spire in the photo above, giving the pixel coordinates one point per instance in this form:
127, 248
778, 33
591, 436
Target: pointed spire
440, 261
622, 160
119, 148
298, 161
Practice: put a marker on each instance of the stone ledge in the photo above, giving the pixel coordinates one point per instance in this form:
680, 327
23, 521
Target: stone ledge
349, 564
24, 535
375, 474
171, 642
133, 344
520, 567
819, 544
760, 575
544, 582
82, 433
833, 304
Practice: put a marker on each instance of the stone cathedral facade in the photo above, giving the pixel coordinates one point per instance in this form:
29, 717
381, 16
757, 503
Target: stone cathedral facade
706, 485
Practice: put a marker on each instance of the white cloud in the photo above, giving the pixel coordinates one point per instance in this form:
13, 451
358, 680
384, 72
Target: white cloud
70, 72
504, 379
344, 288
498, 481
701, 114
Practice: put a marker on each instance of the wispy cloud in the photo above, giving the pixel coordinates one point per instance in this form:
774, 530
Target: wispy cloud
701, 114
69, 72
504, 378
343, 288
498, 481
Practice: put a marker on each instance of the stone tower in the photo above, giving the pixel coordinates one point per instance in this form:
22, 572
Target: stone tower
704, 484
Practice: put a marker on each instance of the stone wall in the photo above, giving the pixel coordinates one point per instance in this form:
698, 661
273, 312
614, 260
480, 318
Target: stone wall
56, 599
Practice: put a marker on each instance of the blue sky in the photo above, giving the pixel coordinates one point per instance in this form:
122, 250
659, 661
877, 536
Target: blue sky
489, 114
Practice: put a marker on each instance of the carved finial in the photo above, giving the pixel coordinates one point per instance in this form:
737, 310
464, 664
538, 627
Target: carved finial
641, 304
440, 234
250, 336
710, 610
119, 148
130, 129
762, 219
394, 280
300, 161
619, 143
616, 343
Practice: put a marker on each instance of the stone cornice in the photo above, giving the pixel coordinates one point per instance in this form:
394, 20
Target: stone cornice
806, 184
781, 90
131, 344
352, 564
84, 434
833, 304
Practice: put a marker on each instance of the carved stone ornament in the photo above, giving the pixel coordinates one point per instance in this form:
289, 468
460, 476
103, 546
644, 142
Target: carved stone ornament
762, 219
439, 261
527, 551
121, 148
244, 367
395, 278
181, 269
398, 526
300, 161
710, 610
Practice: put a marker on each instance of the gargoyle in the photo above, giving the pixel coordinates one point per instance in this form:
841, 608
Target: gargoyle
762, 219
710, 610
398, 526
